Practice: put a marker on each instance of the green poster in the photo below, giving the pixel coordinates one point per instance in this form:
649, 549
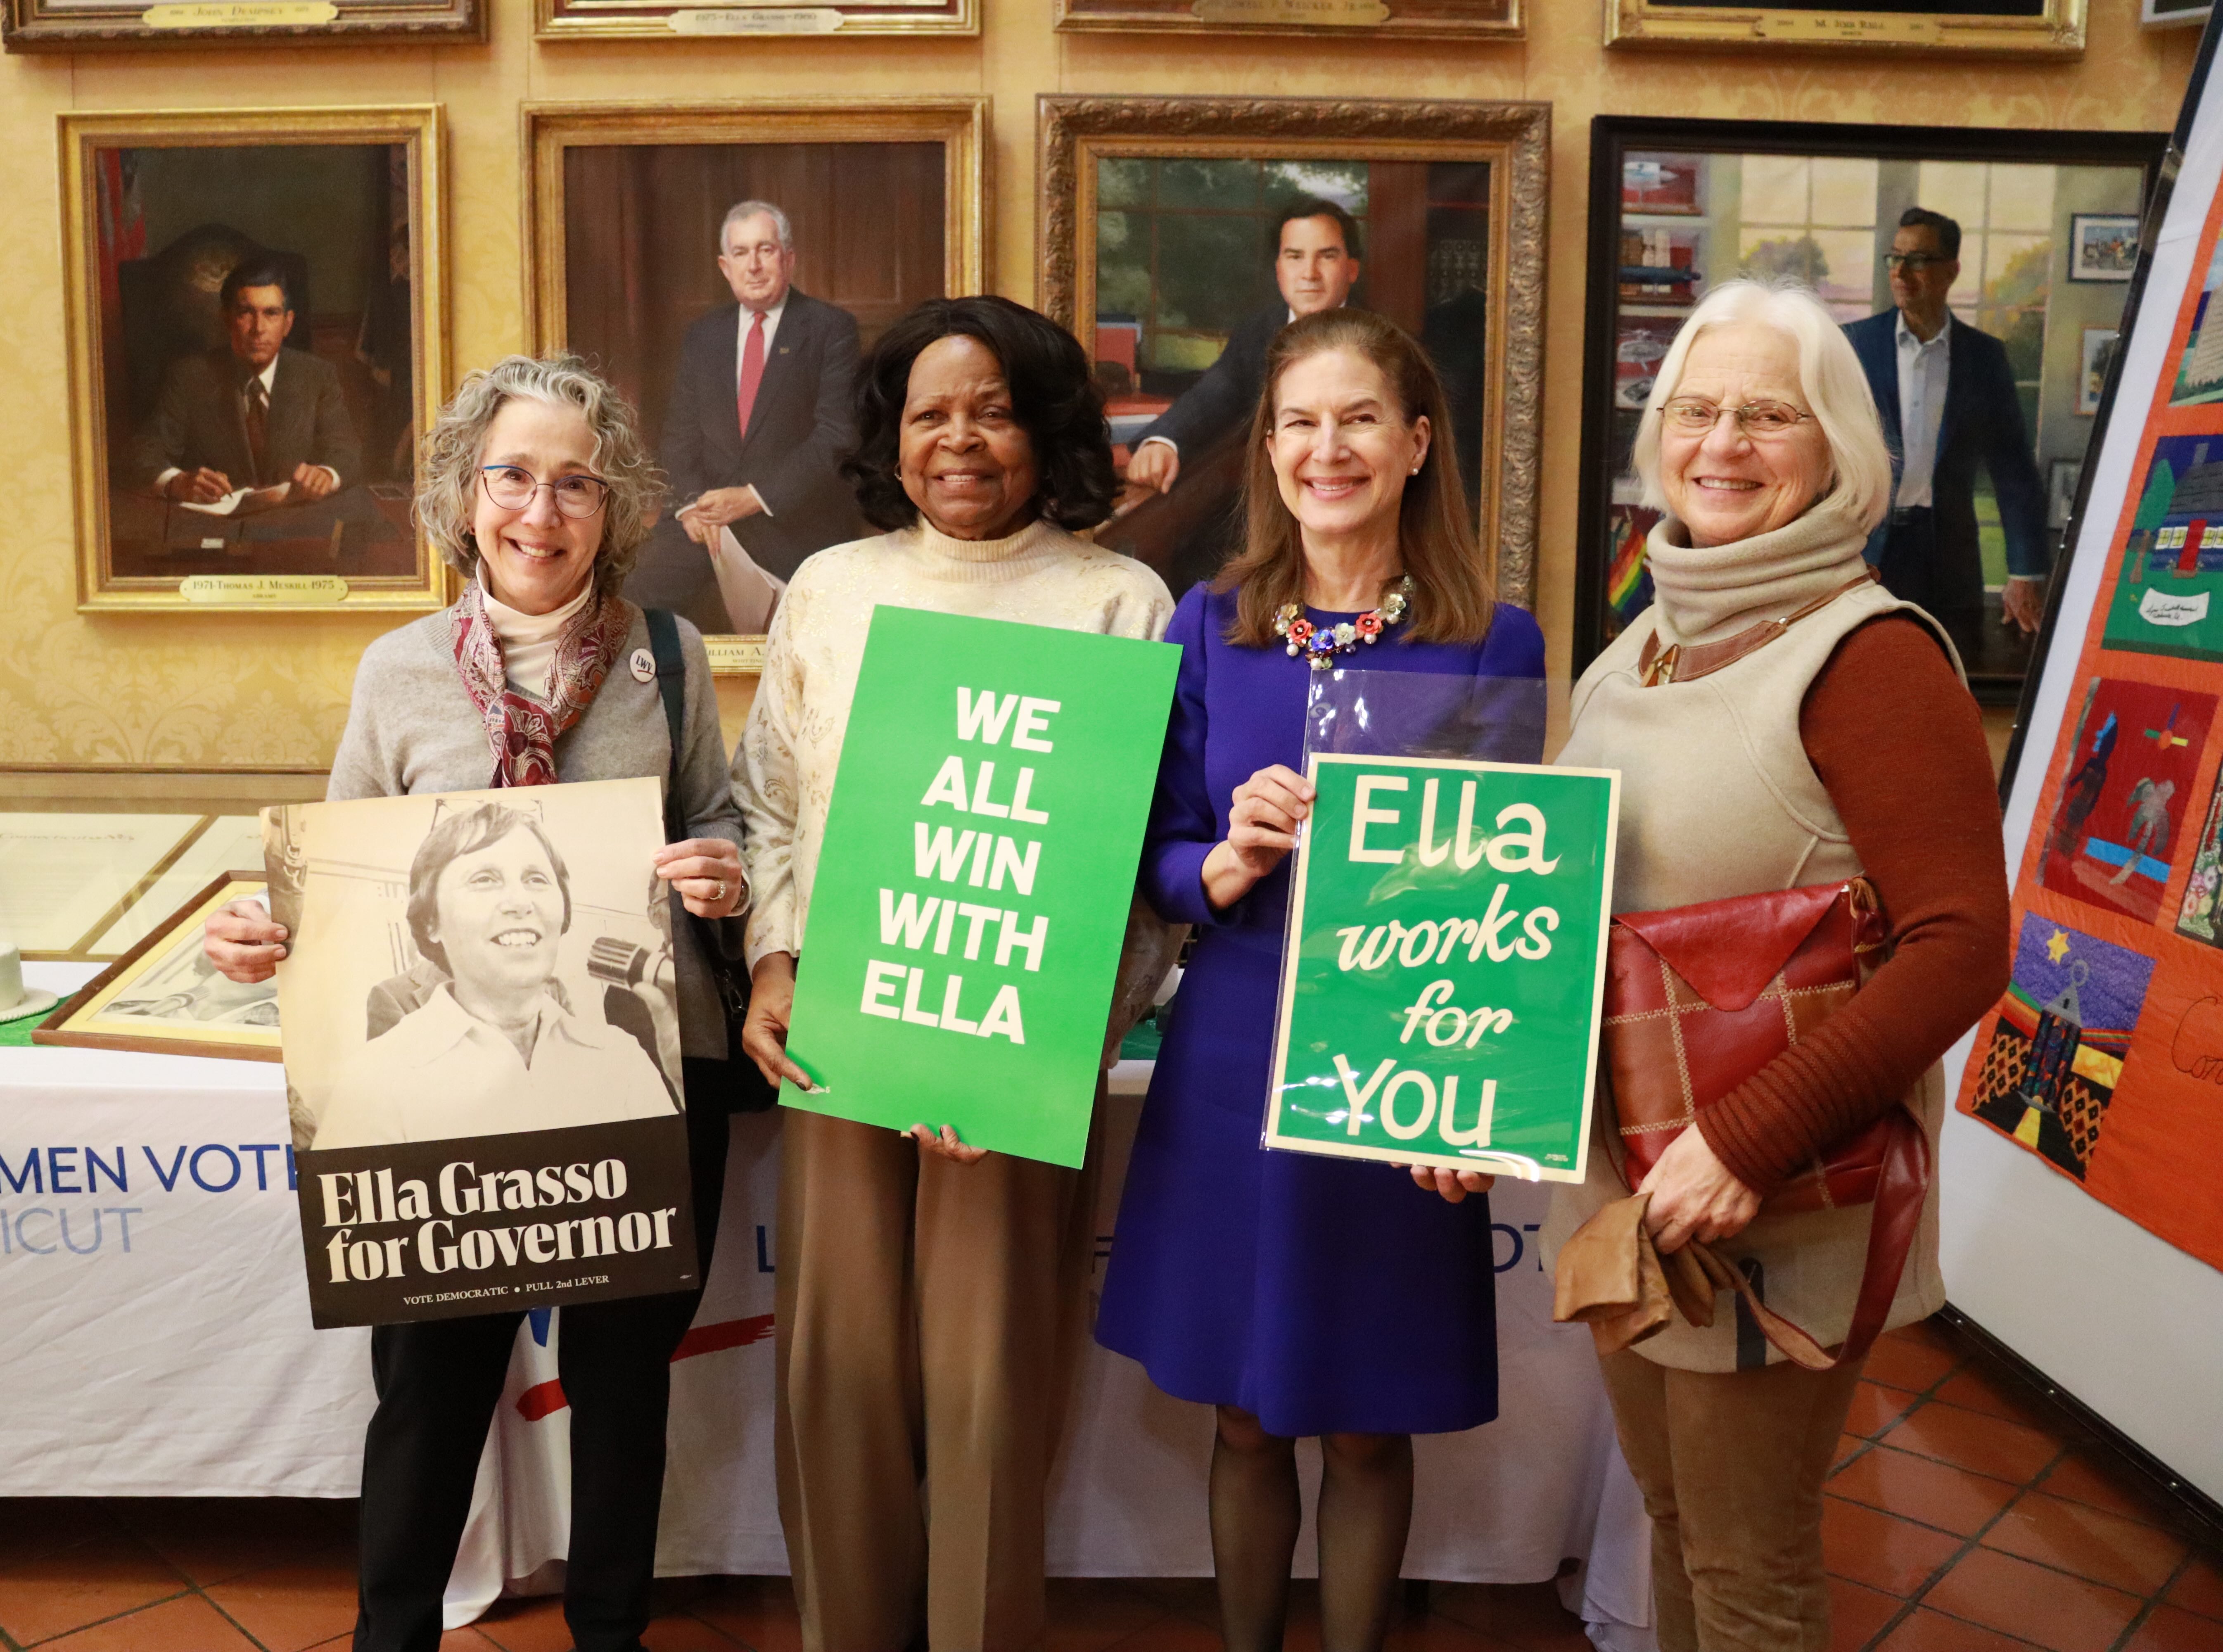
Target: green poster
972, 891
1446, 956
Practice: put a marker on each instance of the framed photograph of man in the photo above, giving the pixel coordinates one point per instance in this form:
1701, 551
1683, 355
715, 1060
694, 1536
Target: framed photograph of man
483, 980
724, 266
1993, 27
1180, 233
677, 20
257, 332
1326, 19
1911, 236
133, 25
164, 997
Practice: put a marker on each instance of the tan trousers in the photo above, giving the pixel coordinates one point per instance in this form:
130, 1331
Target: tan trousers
1731, 1466
929, 1314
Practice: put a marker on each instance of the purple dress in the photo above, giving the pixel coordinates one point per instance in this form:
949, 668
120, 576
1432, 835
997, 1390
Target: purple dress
1320, 1295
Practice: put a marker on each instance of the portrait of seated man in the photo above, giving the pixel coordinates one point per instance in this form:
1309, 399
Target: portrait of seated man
493, 1049
757, 424
249, 418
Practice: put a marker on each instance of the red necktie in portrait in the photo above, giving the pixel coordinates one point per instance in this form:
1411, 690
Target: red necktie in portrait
751, 370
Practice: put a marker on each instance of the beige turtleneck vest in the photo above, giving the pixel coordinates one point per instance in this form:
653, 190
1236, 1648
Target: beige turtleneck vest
1718, 799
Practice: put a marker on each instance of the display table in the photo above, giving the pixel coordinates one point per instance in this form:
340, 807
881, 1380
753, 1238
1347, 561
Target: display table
159, 1346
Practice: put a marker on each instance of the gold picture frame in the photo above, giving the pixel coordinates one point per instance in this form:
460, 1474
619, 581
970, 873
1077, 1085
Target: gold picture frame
551, 131
1502, 20
1513, 140
127, 25
677, 20
182, 1007
1911, 30
376, 372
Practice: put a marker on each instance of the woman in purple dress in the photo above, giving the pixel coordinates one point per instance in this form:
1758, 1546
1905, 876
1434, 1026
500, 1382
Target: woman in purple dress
1301, 1295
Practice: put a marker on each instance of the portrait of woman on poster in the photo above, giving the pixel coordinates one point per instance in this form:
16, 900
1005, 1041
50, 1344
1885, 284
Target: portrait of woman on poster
492, 1049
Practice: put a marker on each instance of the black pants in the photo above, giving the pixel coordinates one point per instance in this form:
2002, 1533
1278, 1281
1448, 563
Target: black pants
1910, 570
438, 1381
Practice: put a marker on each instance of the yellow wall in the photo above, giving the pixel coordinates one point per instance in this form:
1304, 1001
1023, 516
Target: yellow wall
256, 692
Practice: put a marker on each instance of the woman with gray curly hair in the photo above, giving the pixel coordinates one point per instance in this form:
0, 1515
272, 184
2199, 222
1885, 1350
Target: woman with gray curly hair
536, 485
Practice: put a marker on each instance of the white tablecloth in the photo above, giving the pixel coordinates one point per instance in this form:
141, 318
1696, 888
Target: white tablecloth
159, 1344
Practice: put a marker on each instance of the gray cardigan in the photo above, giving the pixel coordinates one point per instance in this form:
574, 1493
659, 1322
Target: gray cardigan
412, 728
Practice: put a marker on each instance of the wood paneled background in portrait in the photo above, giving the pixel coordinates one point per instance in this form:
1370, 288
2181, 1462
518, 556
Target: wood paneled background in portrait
640, 242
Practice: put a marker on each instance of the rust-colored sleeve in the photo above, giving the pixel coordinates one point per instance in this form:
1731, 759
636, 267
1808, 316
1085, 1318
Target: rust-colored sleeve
1900, 747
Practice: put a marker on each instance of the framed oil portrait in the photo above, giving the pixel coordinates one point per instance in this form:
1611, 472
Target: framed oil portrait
1997, 28
666, 244
257, 334
164, 996
676, 20
1325, 19
2103, 246
132, 25
1170, 229
1676, 206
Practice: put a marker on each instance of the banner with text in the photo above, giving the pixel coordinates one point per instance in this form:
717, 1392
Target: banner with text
481, 1042
972, 892
1445, 953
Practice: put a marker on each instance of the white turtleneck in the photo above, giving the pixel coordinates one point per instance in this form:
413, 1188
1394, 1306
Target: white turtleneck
528, 640
784, 769
1709, 592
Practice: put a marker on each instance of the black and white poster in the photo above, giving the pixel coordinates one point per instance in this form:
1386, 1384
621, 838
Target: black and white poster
481, 1048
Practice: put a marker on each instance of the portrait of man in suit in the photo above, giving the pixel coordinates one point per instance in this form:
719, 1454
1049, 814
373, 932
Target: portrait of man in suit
1316, 263
1946, 396
759, 420
250, 417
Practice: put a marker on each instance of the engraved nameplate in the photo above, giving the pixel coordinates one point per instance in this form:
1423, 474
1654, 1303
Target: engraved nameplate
295, 590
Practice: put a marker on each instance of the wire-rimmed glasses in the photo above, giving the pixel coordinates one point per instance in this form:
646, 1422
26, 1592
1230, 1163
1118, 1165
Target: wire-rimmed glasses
511, 486
1761, 420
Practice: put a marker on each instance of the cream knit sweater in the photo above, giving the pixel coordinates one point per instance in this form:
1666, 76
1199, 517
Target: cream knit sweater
784, 769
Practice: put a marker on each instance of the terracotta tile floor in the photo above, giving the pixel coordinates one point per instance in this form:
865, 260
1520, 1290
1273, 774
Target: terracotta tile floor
1966, 1515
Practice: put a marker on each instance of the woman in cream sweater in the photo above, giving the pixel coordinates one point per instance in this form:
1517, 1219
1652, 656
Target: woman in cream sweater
930, 1295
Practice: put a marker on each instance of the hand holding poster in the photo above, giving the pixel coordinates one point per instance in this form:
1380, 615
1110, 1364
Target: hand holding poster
1440, 981
972, 892
481, 1050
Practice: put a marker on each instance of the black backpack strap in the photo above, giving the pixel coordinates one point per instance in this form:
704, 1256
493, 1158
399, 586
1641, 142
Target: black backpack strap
672, 684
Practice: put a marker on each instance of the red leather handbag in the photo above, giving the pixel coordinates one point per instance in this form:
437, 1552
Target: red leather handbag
1699, 999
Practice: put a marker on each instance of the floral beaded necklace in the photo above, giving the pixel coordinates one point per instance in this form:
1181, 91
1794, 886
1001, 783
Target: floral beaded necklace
1320, 644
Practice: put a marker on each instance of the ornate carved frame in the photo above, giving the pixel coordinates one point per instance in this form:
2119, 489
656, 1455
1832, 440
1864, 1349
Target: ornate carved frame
420, 129
1318, 19
1074, 133
1913, 31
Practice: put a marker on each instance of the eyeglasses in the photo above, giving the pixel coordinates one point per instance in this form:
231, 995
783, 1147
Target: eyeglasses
1915, 262
1695, 416
511, 486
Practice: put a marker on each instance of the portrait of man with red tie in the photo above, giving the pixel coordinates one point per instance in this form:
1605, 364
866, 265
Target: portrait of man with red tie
250, 420
759, 420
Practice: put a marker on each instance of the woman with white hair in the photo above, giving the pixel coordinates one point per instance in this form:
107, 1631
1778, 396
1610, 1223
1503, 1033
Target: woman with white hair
535, 485
1780, 720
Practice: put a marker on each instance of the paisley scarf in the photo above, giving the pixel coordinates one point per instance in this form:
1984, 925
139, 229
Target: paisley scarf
522, 731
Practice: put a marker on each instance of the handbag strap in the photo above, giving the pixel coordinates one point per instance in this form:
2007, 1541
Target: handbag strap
1900, 1191
671, 685
1681, 662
